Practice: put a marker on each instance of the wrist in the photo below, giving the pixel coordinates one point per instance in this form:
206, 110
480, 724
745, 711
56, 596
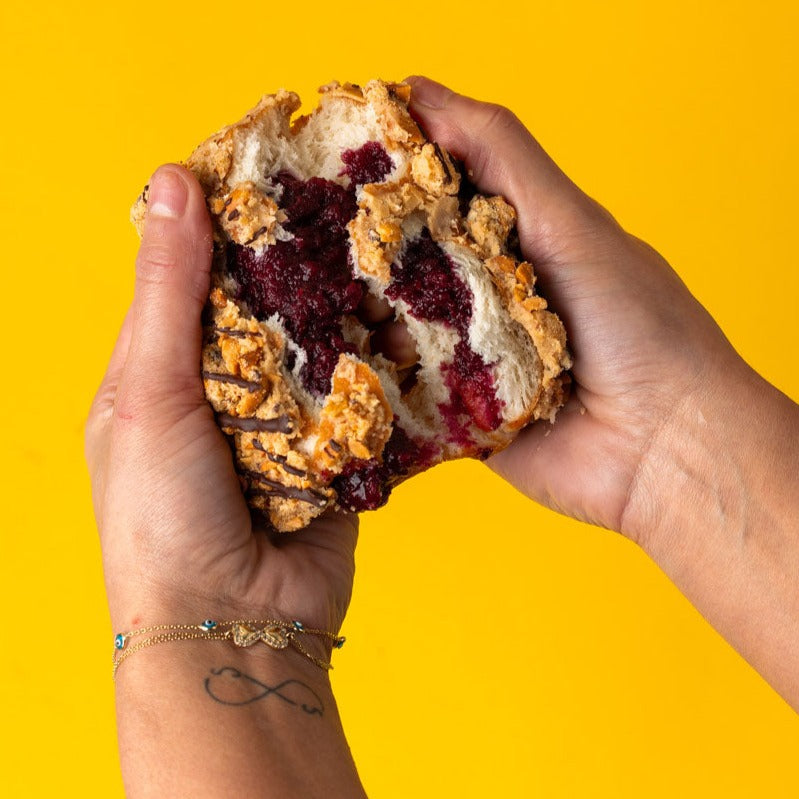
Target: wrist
725, 446
257, 636
218, 664
145, 602
686, 470
714, 505
197, 717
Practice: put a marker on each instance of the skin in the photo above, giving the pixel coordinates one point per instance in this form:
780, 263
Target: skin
651, 444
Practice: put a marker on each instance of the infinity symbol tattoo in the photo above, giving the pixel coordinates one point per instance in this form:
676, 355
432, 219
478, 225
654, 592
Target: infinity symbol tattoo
292, 692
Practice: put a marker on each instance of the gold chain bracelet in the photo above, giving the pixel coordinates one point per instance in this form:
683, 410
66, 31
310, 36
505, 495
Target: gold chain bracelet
242, 632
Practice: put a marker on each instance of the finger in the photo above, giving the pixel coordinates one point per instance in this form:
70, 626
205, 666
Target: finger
104, 398
103, 404
396, 343
172, 283
373, 309
502, 157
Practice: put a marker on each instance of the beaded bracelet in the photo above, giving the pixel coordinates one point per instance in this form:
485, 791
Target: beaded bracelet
275, 634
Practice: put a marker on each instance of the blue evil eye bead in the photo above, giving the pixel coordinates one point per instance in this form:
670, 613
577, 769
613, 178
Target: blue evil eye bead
208, 624
119, 641
298, 626
339, 642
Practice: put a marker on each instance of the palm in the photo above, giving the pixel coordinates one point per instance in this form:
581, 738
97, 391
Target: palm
627, 378
313, 568
622, 306
211, 550
307, 574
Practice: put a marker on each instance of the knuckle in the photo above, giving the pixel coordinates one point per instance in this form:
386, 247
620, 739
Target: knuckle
493, 125
155, 262
94, 430
101, 407
100, 413
198, 287
145, 396
497, 117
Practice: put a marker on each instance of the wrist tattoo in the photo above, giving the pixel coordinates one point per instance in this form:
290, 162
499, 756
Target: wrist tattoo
231, 686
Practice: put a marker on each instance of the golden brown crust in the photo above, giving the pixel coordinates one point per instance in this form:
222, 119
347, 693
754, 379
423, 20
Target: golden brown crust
489, 222
516, 283
356, 419
390, 101
213, 160
244, 382
348, 91
430, 188
433, 171
376, 230
247, 215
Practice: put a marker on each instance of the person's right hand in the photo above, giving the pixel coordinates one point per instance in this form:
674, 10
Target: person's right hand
669, 436
642, 344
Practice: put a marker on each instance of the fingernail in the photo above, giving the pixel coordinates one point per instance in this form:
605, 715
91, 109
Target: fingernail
168, 195
428, 93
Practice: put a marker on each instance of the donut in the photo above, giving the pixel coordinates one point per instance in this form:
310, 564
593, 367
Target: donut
317, 216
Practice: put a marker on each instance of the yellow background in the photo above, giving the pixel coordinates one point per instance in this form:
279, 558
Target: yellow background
495, 649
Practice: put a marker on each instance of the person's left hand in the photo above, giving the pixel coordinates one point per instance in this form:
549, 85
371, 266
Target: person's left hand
178, 540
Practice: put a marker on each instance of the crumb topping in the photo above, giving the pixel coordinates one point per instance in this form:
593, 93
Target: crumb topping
247, 215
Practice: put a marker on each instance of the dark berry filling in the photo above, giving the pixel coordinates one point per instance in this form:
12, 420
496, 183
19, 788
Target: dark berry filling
368, 164
472, 395
426, 280
366, 484
308, 280
361, 486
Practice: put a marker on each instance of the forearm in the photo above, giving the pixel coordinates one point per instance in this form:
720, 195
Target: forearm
204, 719
716, 505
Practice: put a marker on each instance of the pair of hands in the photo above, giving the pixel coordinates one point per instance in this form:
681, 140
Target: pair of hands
178, 540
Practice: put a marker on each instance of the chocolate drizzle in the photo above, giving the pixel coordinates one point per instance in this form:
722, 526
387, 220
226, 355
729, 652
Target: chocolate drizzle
257, 235
274, 488
252, 424
236, 381
332, 448
233, 333
440, 155
281, 459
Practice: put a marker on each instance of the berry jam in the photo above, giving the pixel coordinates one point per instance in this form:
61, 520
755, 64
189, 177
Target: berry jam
426, 280
472, 396
361, 486
366, 484
368, 164
308, 280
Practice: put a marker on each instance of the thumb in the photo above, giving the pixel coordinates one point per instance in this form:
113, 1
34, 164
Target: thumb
172, 284
502, 157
